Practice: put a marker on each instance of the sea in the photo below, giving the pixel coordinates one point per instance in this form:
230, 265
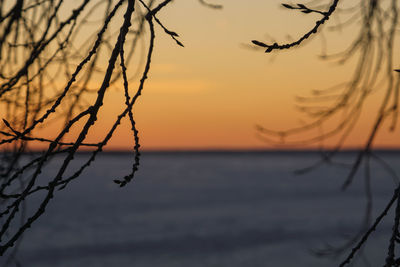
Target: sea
212, 209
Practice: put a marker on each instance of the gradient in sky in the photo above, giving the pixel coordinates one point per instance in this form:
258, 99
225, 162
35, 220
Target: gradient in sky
212, 93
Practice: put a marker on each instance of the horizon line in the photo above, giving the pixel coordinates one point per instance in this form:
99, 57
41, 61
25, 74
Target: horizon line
228, 150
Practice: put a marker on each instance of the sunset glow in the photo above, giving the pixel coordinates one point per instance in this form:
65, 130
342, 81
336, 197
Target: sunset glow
212, 93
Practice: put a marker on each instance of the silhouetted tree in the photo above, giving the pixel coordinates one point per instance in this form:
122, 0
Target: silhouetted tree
37, 51
373, 47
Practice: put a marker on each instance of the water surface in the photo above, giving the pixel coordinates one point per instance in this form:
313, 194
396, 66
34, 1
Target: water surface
206, 209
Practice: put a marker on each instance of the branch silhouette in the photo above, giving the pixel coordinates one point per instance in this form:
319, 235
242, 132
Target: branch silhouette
373, 48
37, 48
40, 45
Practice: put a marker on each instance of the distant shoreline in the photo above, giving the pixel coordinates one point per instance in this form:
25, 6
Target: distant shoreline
227, 151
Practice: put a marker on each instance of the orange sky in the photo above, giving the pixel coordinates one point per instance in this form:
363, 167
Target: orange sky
212, 93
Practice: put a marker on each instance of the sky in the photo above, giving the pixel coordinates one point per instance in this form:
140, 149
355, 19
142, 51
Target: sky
213, 92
